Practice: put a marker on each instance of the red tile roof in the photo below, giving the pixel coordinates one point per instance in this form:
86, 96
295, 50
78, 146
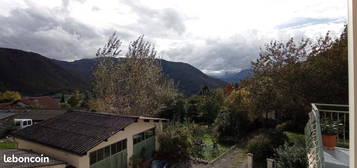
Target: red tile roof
44, 101
5, 105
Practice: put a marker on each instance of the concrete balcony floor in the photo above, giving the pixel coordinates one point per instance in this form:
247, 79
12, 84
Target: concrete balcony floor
338, 158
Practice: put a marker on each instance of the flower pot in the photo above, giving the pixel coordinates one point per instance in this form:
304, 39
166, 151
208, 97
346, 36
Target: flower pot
329, 141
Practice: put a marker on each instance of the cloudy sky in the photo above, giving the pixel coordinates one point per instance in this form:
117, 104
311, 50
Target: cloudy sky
214, 35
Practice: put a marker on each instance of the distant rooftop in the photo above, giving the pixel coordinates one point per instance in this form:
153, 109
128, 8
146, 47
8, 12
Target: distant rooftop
6, 115
44, 101
34, 114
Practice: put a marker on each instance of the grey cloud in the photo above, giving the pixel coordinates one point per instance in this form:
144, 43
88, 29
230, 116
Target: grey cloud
157, 23
217, 55
56, 37
28, 29
302, 22
53, 33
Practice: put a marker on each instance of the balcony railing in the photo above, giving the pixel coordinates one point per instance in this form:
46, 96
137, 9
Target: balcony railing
336, 112
313, 137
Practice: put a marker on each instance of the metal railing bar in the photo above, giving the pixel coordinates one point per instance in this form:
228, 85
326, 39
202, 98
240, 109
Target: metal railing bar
334, 111
331, 105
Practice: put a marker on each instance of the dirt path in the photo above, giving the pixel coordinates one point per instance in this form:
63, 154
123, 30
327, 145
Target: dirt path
233, 159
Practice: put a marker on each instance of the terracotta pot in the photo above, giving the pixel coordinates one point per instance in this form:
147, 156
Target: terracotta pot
329, 141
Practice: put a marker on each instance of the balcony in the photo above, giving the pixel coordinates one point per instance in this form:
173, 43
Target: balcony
318, 156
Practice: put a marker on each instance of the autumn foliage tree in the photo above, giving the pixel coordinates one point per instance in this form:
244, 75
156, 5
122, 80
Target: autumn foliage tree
132, 85
9, 96
288, 76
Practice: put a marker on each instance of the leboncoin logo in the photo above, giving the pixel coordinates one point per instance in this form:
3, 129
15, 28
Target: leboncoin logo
26, 159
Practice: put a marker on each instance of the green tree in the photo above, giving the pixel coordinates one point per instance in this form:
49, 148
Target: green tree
204, 108
75, 100
62, 98
175, 143
175, 109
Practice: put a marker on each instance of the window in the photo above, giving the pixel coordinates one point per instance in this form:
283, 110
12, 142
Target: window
146, 120
17, 123
106, 151
144, 135
119, 146
149, 133
24, 123
100, 155
138, 138
30, 122
114, 148
93, 157
125, 142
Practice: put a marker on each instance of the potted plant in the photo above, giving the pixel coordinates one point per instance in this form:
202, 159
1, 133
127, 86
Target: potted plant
329, 130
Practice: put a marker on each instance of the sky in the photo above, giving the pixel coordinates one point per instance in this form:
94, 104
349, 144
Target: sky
216, 36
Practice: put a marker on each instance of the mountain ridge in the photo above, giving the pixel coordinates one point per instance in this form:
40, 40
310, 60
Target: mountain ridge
235, 77
34, 74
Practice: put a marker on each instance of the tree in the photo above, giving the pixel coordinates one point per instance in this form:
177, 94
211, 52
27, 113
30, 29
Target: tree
176, 143
75, 100
275, 87
9, 96
233, 120
62, 98
288, 76
204, 108
132, 85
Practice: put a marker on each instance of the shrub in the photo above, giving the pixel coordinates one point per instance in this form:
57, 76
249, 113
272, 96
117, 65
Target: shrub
262, 146
7, 128
135, 161
175, 143
291, 156
231, 125
197, 138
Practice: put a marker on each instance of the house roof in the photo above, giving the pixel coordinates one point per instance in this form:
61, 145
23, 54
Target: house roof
25, 153
44, 101
5, 105
76, 132
36, 114
6, 115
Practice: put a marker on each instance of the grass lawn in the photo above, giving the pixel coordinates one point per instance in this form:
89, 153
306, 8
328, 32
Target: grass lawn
294, 137
7, 145
209, 152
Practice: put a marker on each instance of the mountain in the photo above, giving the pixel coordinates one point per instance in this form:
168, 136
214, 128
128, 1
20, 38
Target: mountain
33, 74
188, 78
235, 77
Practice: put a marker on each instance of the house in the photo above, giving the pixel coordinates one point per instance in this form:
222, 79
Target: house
47, 161
5, 119
5, 105
87, 139
42, 102
36, 115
